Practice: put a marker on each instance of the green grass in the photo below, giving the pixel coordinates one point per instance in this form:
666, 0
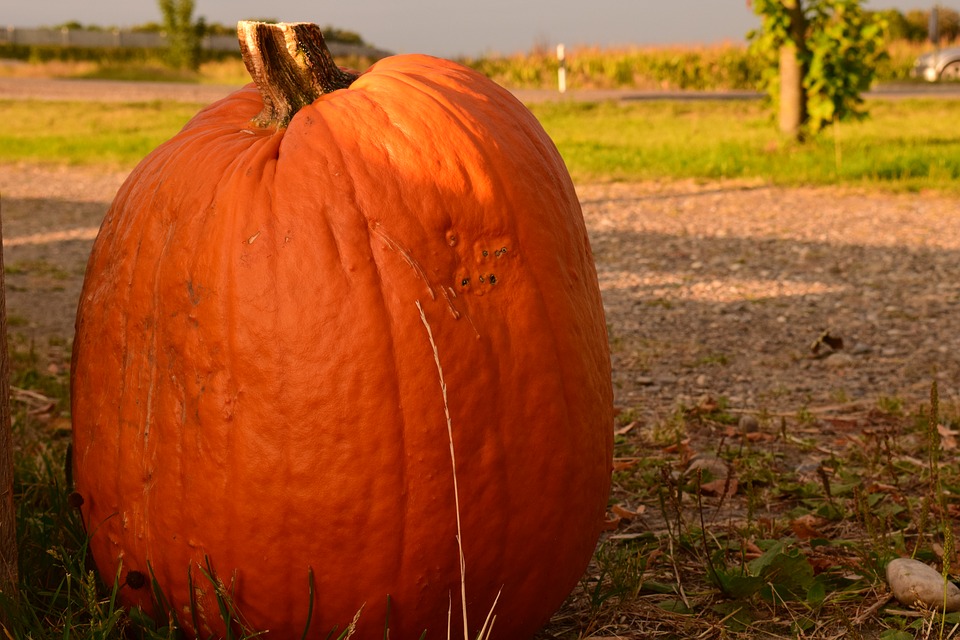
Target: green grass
908, 144
84, 133
904, 144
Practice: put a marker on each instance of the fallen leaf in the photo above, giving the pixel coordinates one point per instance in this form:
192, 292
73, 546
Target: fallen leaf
948, 438
751, 550
681, 448
611, 523
724, 487
60, 427
622, 431
807, 527
624, 513
880, 487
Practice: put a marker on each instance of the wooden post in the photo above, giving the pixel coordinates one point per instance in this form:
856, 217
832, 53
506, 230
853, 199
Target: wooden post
9, 575
561, 69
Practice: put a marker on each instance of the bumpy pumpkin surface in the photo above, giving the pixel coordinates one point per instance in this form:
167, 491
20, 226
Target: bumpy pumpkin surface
254, 387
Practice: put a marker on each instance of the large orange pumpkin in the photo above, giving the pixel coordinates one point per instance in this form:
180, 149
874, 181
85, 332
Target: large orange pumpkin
313, 356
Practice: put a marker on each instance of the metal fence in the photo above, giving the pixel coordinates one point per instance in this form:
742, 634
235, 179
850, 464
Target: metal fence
144, 40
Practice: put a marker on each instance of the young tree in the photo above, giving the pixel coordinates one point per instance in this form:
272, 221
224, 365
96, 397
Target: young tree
183, 33
822, 56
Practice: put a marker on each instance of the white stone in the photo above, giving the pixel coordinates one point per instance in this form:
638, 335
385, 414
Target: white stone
916, 584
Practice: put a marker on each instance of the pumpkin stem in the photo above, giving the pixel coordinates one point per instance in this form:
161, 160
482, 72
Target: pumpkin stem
291, 66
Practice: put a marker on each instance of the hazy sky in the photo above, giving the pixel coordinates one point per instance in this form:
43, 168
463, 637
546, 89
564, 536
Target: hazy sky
453, 27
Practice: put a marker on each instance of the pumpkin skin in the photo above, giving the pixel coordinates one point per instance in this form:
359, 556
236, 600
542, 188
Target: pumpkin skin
253, 384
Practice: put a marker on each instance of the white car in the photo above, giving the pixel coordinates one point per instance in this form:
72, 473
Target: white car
943, 64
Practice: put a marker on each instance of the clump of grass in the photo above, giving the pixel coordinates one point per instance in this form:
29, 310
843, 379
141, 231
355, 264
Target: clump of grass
799, 550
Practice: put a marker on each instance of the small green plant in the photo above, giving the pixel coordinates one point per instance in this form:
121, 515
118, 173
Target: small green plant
713, 359
805, 416
620, 573
891, 405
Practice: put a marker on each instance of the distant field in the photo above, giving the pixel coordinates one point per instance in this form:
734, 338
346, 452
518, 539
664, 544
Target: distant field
714, 67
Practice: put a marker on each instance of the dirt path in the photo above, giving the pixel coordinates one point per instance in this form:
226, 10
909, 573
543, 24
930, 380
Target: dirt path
711, 290
19, 88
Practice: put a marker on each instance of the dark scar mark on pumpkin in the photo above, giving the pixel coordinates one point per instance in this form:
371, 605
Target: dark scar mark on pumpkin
493, 279
465, 282
135, 579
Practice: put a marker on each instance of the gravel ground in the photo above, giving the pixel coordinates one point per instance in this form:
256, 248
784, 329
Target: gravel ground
723, 290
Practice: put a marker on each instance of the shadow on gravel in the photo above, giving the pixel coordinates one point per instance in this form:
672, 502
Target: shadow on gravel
46, 245
738, 317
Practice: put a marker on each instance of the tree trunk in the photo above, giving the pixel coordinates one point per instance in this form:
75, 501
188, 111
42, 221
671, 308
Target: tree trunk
793, 103
8, 525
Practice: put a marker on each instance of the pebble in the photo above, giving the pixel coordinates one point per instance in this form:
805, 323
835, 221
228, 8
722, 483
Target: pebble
839, 360
916, 584
710, 465
749, 423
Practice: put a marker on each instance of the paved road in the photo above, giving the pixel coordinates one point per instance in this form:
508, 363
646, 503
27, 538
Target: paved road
119, 91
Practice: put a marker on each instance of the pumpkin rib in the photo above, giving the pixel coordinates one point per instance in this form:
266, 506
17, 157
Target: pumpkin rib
148, 464
499, 183
225, 226
396, 325
285, 360
455, 118
404, 425
337, 236
541, 302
